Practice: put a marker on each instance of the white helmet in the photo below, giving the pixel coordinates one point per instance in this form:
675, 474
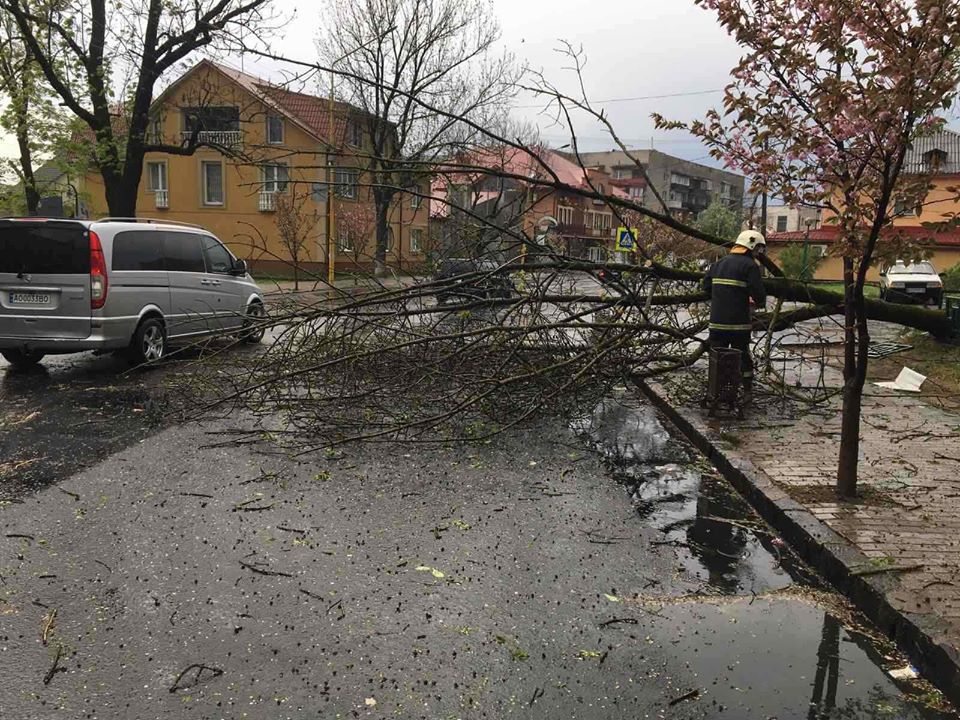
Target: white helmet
750, 239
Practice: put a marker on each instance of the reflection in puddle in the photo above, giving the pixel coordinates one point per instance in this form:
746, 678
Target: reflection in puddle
718, 541
780, 656
747, 632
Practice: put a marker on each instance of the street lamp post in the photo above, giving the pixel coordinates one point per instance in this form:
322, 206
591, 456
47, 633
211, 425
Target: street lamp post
806, 248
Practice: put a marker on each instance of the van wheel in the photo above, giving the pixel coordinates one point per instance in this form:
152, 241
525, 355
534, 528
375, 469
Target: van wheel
22, 358
149, 343
253, 328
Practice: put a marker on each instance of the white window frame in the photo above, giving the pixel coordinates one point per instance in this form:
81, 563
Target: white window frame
565, 214
269, 184
786, 223
416, 240
678, 179
350, 188
283, 129
343, 240
204, 164
602, 221
165, 184
354, 133
415, 200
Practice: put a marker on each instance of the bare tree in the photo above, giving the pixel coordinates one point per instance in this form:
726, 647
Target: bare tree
438, 51
104, 59
296, 225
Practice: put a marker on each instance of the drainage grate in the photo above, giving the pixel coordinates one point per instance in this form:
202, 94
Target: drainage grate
882, 350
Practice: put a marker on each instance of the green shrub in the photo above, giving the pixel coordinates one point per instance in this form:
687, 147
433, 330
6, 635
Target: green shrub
951, 279
791, 260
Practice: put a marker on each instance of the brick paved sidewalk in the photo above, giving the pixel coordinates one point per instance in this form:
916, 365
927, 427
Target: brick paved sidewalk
903, 536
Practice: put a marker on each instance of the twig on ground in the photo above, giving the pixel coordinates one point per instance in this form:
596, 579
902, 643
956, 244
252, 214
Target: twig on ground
198, 679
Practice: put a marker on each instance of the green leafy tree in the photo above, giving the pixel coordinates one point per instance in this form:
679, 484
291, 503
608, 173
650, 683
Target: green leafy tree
797, 264
719, 220
30, 114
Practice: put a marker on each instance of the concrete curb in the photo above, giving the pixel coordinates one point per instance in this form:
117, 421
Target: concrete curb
832, 555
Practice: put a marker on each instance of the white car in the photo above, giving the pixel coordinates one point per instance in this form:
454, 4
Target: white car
911, 283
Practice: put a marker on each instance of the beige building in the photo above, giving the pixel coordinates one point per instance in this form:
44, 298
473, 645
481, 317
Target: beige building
263, 145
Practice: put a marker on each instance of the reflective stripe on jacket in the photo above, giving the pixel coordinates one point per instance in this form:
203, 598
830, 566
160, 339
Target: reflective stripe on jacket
731, 282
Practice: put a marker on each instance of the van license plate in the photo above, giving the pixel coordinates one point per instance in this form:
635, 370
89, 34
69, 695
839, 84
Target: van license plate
916, 290
20, 298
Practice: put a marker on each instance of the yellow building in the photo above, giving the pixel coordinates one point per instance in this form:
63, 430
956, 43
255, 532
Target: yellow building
938, 155
265, 148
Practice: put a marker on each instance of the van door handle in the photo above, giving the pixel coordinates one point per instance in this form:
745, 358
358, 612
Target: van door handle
209, 282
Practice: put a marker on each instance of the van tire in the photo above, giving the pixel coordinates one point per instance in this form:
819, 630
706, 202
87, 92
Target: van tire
149, 343
256, 313
22, 358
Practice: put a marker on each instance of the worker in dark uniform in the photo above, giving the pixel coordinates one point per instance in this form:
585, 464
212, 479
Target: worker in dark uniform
731, 283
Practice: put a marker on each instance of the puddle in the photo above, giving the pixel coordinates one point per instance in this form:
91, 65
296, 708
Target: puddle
716, 536
743, 616
780, 657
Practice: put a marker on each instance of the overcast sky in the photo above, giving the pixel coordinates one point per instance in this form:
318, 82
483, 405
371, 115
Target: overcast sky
635, 48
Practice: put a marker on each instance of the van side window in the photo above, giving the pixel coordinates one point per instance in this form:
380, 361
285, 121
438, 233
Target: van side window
183, 252
219, 259
138, 250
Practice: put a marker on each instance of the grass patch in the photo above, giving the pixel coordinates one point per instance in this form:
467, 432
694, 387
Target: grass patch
869, 291
940, 362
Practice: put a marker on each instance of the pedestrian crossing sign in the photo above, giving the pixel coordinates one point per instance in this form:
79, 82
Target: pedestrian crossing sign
626, 239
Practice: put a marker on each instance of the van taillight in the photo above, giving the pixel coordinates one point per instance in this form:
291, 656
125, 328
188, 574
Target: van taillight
98, 273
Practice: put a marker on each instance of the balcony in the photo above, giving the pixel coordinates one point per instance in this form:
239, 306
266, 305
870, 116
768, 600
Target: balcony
674, 204
216, 138
161, 199
268, 201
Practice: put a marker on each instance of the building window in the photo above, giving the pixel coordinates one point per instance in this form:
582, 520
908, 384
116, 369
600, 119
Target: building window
390, 239
602, 221
416, 240
275, 177
676, 179
346, 182
415, 199
565, 214
355, 133
156, 131
274, 129
636, 193
781, 223
725, 189
344, 243
156, 176
212, 180
902, 209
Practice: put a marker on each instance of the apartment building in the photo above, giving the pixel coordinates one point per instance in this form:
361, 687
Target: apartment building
260, 142
686, 187
487, 210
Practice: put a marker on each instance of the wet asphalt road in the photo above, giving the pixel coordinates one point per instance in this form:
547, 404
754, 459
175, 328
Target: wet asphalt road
604, 574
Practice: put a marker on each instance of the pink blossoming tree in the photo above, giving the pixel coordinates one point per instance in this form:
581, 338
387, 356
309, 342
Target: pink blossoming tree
821, 111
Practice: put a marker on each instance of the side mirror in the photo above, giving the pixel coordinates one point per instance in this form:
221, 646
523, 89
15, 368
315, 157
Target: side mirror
882, 274
239, 268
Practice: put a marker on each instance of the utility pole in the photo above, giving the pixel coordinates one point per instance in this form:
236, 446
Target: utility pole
331, 245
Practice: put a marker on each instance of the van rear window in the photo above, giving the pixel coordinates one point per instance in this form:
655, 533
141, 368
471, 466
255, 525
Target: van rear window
44, 249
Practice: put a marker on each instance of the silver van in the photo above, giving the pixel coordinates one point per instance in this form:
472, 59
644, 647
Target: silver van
123, 285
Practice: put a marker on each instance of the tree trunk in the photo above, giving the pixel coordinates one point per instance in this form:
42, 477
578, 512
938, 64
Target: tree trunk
855, 360
383, 231
31, 194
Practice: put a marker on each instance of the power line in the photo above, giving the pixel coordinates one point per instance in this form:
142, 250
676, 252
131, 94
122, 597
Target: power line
633, 99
